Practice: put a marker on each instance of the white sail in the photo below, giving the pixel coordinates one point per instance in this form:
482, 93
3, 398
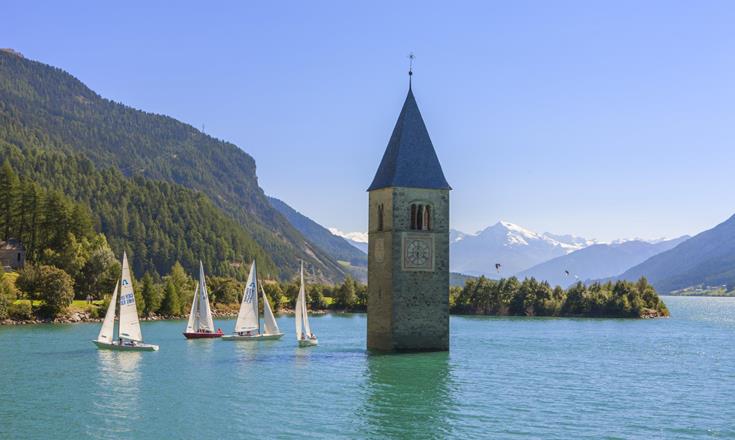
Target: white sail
299, 311
193, 323
269, 321
107, 331
302, 294
129, 325
302, 316
205, 312
247, 318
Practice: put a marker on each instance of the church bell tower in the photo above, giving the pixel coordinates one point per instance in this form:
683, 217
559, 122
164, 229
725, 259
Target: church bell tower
408, 244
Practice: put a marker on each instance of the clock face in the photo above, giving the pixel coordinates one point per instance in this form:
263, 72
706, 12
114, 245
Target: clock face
418, 252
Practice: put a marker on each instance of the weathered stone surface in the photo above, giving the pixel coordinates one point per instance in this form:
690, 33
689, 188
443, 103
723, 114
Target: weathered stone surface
408, 309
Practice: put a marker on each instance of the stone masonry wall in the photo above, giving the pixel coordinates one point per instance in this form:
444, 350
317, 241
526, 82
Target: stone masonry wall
408, 310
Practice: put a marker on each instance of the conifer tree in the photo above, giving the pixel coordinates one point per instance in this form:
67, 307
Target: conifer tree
8, 194
184, 286
346, 297
150, 295
170, 305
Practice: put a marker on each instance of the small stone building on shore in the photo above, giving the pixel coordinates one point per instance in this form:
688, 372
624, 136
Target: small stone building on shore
12, 254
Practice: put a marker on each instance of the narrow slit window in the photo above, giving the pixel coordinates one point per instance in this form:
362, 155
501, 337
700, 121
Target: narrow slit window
413, 216
427, 218
380, 217
420, 218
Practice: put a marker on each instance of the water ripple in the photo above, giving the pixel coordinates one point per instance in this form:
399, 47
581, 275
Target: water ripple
504, 378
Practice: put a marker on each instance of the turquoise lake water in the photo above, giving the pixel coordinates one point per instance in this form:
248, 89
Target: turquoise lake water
503, 378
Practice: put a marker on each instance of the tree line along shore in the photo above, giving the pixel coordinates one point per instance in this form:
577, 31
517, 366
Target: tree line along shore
67, 259
46, 294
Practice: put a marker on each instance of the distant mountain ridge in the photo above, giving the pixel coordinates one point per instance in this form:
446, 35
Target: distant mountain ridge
708, 258
597, 261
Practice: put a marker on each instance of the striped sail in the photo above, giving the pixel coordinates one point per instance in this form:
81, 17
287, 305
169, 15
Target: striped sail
129, 325
107, 332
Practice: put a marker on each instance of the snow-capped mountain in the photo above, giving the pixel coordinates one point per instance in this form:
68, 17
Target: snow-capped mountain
572, 240
512, 246
455, 235
356, 239
602, 260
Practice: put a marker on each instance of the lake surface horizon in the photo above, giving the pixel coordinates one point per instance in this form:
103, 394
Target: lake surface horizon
504, 377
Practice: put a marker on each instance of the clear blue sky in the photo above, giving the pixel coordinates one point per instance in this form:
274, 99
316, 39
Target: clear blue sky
603, 119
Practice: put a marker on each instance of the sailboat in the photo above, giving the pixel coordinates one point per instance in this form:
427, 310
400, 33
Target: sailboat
303, 330
129, 336
247, 326
200, 323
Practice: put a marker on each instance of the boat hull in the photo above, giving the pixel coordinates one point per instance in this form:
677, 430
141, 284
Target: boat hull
308, 342
252, 338
117, 347
197, 335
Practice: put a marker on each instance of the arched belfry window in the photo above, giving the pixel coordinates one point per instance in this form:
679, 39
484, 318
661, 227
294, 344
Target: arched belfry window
420, 217
380, 217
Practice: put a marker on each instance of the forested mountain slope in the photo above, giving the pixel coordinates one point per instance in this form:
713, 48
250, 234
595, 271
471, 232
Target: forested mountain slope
45, 108
157, 223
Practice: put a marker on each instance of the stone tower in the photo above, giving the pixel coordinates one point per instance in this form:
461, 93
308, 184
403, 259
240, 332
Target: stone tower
408, 249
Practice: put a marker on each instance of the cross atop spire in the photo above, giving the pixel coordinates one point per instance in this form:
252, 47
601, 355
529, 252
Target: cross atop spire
411, 57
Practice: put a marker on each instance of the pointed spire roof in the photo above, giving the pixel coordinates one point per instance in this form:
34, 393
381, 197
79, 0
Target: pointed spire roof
410, 160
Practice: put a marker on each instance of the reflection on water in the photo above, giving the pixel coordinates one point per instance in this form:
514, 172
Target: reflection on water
198, 349
116, 395
408, 395
247, 351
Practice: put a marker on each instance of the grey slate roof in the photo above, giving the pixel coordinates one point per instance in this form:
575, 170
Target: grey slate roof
410, 160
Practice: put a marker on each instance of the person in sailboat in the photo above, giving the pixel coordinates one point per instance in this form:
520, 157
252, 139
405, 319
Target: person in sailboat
126, 342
